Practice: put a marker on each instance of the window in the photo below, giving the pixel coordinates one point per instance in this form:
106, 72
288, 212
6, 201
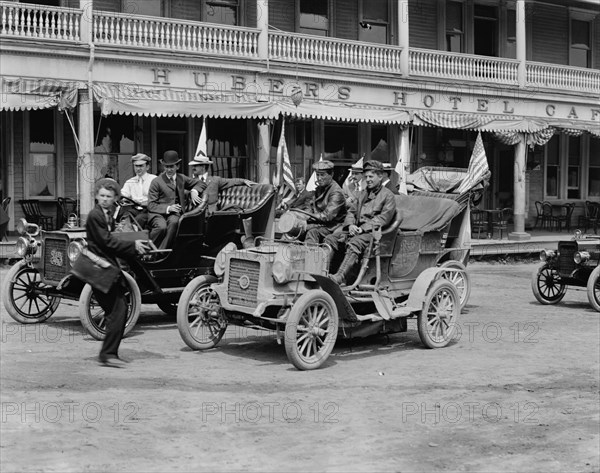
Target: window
594, 169
314, 17
224, 12
227, 145
552, 167
341, 147
114, 146
485, 31
511, 34
302, 151
379, 143
374, 24
147, 7
41, 169
580, 51
574, 168
455, 36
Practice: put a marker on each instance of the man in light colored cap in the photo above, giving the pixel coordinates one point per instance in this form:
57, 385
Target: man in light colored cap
387, 168
136, 188
375, 208
200, 166
327, 208
354, 184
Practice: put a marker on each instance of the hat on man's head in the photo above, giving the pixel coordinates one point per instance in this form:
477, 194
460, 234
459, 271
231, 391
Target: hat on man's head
170, 157
357, 168
323, 166
108, 183
373, 166
200, 159
140, 158
387, 167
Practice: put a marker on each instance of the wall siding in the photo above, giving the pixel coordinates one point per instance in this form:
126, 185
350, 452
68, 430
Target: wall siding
596, 44
422, 17
345, 19
251, 14
550, 34
282, 14
186, 9
107, 5
19, 163
68, 174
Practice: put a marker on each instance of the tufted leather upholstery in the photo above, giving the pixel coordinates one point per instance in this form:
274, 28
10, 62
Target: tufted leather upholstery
244, 198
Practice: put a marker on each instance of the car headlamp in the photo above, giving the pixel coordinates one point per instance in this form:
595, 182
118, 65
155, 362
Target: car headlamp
581, 257
546, 255
21, 226
221, 259
282, 272
22, 246
74, 250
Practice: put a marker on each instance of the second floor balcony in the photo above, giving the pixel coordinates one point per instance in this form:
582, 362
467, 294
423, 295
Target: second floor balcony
53, 25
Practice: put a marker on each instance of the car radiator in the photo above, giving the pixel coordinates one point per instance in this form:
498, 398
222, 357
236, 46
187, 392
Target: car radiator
566, 265
242, 286
56, 263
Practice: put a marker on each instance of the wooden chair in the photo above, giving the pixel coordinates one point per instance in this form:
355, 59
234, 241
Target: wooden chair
4, 226
500, 221
478, 222
564, 218
589, 219
547, 215
539, 218
33, 214
67, 206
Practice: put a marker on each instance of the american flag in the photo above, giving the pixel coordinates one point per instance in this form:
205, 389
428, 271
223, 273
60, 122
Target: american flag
478, 166
284, 177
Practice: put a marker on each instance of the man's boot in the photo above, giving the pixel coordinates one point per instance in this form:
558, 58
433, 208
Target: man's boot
349, 261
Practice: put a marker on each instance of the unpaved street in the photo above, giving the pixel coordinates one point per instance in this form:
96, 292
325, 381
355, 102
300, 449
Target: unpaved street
517, 391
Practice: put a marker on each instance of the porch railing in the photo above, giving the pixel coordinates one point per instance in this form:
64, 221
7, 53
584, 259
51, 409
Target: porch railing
307, 49
555, 76
26, 20
432, 63
174, 35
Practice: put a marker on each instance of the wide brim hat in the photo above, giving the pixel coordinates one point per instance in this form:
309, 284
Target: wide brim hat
140, 158
373, 166
200, 159
170, 157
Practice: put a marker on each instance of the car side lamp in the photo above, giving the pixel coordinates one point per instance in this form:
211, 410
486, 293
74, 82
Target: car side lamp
581, 257
547, 255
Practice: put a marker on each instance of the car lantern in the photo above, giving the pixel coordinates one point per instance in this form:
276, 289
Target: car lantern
27, 244
288, 260
75, 248
547, 255
221, 259
581, 257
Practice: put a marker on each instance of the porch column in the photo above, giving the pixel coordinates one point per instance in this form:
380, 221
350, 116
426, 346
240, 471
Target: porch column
521, 43
264, 150
86, 166
519, 192
262, 23
403, 37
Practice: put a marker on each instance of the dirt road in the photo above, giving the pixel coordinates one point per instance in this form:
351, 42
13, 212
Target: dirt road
517, 391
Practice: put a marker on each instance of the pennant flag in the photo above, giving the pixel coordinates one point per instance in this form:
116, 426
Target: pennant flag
285, 178
478, 166
350, 186
311, 185
201, 149
403, 151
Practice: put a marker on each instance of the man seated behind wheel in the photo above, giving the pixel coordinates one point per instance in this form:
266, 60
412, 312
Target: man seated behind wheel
166, 199
327, 207
374, 208
136, 188
214, 184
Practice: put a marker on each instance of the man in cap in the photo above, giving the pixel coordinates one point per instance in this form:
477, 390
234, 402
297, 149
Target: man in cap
327, 207
136, 188
166, 199
387, 182
355, 183
200, 166
375, 208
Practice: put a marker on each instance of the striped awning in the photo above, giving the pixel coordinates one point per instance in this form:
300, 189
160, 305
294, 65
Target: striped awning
35, 94
480, 122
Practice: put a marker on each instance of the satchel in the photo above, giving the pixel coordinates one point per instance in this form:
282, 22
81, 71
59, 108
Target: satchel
98, 272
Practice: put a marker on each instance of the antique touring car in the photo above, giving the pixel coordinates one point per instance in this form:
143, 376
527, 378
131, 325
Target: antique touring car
575, 263
35, 286
415, 267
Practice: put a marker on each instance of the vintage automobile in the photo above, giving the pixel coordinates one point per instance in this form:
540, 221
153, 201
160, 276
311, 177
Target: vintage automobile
412, 269
35, 286
575, 263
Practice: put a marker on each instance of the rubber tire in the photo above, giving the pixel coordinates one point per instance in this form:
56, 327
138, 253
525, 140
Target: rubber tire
591, 293
8, 296
440, 286
169, 308
199, 283
466, 294
535, 278
291, 330
86, 317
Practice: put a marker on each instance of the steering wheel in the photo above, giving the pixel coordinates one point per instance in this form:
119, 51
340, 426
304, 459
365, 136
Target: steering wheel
125, 201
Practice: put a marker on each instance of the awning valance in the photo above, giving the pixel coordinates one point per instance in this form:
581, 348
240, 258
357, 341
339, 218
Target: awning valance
35, 94
471, 121
344, 112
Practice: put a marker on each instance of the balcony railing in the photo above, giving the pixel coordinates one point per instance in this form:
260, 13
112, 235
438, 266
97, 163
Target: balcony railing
444, 65
174, 35
554, 76
307, 49
25, 20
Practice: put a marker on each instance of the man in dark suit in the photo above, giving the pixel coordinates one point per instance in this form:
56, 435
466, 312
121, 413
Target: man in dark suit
214, 184
101, 242
166, 199
387, 168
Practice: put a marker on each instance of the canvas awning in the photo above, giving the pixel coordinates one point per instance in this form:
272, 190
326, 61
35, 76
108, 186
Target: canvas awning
35, 94
344, 112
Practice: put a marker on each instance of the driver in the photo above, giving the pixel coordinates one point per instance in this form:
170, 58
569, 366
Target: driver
214, 184
136, 188
166, 199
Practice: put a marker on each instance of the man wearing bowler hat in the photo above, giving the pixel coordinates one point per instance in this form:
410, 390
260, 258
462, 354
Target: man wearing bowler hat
166, 199
200, 166
136, 188
387, 182
327, 208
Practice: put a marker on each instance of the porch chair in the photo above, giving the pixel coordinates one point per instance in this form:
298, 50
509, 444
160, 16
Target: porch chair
547, 215
4, 225
539, 218
589, 217
500, 221
564, 218
33, 214
478, 222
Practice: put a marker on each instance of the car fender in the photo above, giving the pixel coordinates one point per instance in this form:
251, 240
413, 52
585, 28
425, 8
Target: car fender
422, 284
345, 310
